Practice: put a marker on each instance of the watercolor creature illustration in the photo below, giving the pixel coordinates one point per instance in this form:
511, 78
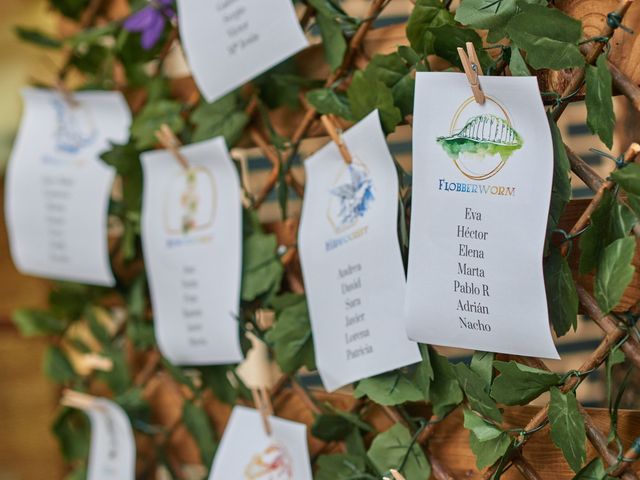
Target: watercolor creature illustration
74, 127
483, 135
274, 463
189, 201
354, 196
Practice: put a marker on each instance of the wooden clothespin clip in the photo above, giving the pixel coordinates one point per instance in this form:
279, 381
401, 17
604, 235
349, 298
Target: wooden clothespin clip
473, 70
170, 142
262, 402
256, 373
396, 475
73, 399
336, 136
93, 361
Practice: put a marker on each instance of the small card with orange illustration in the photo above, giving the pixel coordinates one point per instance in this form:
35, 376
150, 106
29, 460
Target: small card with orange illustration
246, 452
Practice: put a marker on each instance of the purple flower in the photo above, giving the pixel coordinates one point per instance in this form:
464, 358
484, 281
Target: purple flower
150, 21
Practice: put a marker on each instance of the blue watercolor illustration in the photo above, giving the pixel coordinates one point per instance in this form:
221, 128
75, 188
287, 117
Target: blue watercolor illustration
354, 197
75, 128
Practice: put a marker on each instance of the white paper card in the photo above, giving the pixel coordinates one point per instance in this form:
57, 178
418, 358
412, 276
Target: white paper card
247, 453
228, 42
482, 179
351, 261
112, 455
192, 245
57, 188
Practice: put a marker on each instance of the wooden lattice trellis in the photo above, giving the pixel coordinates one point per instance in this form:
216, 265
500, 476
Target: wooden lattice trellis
292, 400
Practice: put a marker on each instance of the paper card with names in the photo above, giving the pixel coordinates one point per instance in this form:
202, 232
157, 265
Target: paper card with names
192, 245
247, 452
112, 455
229, 42
351, 261
58, 189
482, 179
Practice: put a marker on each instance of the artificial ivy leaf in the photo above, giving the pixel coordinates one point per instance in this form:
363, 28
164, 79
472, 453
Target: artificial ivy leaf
488, 451
547, 52
291, 338
389, 449
562, 298
70, 8
482, 14
261, 268
331, 427
352, 418
224, 117
594, 470
518, 384
561, 187
326, 101
333, 41
483, 430
126, 160
150, 119
57, 366
482, 365
392, 70
629, 179
389, 69
540, 21
216, 377
177, 374
448, 37
567, 427
391, 388
367, 94
474, 389
517, 65
118, 378
330, 8
341, 466
615, 272
141, 334
445, 393
34, 323
38, 37
355, 444
600, 116
423, 375
199, 426
71, 428
548, 36
594, 240
134, 404
426, 14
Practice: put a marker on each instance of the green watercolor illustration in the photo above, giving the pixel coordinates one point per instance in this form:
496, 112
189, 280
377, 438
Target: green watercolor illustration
483, 135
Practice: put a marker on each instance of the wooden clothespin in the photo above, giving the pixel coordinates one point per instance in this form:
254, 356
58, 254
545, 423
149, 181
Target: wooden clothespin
336, 136
240, 156
92, 361
257, 374
73, 399
473, 70
262, 402
170, 142
396, 475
